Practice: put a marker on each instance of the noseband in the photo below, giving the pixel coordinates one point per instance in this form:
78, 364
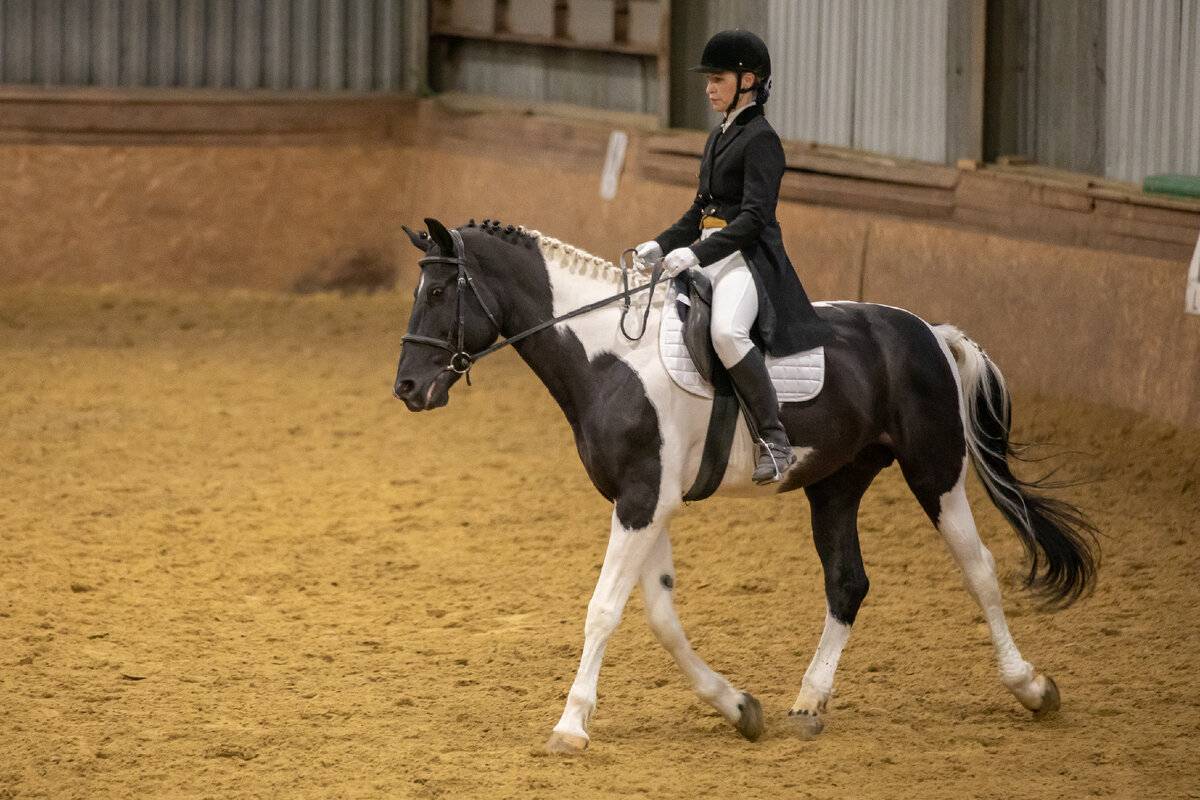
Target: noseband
461, 361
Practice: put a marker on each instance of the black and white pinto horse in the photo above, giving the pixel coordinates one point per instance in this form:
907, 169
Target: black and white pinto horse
897, 389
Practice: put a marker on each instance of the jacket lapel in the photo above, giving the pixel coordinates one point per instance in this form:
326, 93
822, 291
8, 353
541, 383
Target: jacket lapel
735, 130
726, 138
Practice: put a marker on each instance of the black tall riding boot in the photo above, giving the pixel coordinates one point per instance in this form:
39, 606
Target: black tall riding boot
753, 384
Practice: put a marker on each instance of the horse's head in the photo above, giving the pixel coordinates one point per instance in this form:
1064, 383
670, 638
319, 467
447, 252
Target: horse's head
450, 321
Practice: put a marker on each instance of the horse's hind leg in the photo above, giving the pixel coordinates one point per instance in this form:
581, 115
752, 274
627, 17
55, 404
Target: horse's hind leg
955, 522
834, 502
658, 584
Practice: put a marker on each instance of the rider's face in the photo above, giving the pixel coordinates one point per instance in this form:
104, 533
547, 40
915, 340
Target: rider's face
722, 86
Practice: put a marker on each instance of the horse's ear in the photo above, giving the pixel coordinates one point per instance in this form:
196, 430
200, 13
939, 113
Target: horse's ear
419, 240
441, 236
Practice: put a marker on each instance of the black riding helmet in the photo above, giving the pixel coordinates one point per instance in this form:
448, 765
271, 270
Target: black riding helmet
739, 52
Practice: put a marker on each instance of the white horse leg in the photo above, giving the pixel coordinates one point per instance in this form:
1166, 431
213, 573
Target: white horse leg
1036, 692
806, 714
658, 584
627, 551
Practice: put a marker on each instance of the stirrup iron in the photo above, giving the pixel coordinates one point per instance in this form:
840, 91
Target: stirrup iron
772, 471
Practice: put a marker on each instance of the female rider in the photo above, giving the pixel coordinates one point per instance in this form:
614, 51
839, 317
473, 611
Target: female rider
731, 234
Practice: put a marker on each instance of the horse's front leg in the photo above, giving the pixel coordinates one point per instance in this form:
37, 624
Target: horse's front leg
658, 589
627, 551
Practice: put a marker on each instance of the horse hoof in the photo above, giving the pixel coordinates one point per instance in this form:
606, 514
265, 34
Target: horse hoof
750, 723
1051, 699
806, 723
566, 744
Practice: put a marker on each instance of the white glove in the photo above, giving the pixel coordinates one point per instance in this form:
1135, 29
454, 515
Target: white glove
678, 260
648, 252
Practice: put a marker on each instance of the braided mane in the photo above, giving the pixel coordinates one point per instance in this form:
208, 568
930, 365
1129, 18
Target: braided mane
560, 254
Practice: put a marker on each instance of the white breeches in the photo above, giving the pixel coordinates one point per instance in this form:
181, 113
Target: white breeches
734, 306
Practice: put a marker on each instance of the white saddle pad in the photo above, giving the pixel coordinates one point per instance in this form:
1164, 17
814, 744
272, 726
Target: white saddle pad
796, 377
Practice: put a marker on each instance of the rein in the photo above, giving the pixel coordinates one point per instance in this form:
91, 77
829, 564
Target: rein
461, 361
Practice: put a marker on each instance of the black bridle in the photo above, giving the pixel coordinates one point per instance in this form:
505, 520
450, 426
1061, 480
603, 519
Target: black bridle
461, 361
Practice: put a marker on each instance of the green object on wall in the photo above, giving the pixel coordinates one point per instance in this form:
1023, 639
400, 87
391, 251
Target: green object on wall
1177, 185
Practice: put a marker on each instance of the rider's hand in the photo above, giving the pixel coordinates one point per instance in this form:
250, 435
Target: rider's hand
648, 252
678, 260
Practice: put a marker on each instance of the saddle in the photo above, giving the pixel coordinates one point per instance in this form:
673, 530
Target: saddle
697, 322
685, 345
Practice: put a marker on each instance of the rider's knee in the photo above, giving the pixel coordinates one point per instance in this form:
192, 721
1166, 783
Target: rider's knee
731, 342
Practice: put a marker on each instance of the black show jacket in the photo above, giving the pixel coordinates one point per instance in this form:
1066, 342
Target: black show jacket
740, 174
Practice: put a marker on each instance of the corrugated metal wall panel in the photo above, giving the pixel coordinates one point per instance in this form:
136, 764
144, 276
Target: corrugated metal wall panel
876, 57
164, 46
218, 56
277, 23
1158, 38
387, 49
18, 50
1153, 94
191, 45
723, 15
304, 45
1188, 100
360, 50
609, 80
900, 94
46, 67
1061, 117
135, 43
249, 49
813, 53
861, 73
325, 45
835, 122
1122, 99
333, 45
580, 77
499, 69
77, 45
789, 31
595, 79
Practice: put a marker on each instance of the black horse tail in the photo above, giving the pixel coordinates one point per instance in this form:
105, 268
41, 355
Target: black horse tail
1060, 542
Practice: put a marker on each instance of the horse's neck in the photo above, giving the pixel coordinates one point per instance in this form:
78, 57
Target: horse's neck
578, 277
566, 363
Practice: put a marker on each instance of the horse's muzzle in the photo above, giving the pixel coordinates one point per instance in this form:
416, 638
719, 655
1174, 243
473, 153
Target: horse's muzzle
434, 395
407, 391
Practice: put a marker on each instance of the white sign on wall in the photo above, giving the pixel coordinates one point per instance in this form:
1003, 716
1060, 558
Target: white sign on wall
1193, 282
612, 164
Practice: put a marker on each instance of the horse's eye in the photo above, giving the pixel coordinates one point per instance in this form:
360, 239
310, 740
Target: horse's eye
437, 293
